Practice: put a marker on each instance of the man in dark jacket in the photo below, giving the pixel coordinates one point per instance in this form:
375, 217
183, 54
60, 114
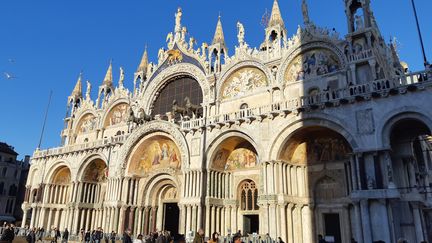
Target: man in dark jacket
65, 236
199, 237
127, 237
31, 236
8, 234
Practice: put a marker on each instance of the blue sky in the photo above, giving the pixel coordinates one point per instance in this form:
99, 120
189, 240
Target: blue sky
51, 41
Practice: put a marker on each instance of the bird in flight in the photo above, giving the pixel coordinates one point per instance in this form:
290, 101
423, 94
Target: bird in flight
9, 76
11, 60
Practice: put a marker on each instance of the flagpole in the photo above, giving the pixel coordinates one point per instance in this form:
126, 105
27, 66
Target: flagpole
44, 123
419, 33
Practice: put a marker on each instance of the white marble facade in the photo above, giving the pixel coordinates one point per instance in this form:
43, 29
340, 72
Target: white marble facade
313, 134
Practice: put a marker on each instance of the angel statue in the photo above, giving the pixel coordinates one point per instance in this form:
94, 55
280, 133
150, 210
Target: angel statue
241, 33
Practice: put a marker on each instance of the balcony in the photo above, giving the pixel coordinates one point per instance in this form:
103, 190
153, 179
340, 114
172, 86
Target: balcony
331, 98
79, 147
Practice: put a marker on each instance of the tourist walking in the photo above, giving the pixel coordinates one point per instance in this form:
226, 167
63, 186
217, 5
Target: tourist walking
199, 237
112, 236
139, 239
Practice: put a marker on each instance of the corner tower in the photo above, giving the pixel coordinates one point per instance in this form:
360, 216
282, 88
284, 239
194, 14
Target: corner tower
218, 49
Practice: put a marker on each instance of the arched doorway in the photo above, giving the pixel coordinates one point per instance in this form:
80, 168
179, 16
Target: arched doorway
248, 199
92, 194
233, 177
410, 167
317, 179
154, 169
57, 195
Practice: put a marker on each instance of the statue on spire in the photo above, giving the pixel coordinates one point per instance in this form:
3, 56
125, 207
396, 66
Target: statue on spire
88, 90
122, 77
178, 17
305, 12
241, 33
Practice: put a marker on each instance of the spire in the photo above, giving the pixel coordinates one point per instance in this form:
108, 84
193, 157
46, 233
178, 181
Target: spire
276, 16
219, 35
108, 80
77, 91
305, 12
144, 62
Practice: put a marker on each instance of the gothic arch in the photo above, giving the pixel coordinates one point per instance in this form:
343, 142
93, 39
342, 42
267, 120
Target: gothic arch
221, 138
290, 129
186, 69
309, 46
164, 127
228, 72
391, 118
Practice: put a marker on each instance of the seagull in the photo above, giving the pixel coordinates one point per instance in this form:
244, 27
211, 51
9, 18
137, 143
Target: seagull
9, 76
11, 60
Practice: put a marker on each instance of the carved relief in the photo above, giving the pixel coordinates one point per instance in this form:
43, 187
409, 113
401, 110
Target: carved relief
154, 153
243, 81
87, 124
117, 115
365, 121
311, 64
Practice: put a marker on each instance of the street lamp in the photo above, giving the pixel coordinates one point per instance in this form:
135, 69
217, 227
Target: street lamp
420, 35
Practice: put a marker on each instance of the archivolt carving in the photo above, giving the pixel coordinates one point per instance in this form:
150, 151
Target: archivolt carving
304, 48
154, 126
150, 94
238, 66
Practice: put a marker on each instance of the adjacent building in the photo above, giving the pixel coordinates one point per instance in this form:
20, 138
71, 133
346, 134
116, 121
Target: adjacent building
13, 177
309, 134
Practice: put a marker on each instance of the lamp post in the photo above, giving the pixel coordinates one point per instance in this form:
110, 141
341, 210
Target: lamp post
419, 33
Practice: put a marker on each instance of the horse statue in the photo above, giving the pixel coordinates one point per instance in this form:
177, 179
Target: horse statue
176, 109
138, 120
174, 56
191, 109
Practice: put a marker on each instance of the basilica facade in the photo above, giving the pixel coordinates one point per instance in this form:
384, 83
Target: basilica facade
305, 135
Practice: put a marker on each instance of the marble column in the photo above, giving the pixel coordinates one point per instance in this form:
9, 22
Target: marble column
418, 223
24, 218
32, 219
358, 223
367, 233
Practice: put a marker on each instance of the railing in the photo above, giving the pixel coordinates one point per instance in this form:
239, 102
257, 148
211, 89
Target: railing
313, 101
361, 55
297, 104
82, 146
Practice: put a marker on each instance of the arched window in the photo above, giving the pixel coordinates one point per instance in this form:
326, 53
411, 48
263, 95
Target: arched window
4, 171
249, 196
244, 106
177, 89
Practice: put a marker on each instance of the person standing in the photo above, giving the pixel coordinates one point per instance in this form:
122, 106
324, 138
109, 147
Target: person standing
8, 234
65, 236
214, 238
31, 236
199, 236
139, 239
127, 237
112, 236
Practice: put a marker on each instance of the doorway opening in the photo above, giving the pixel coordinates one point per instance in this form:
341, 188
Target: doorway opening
332, 227
251, 223
171, 218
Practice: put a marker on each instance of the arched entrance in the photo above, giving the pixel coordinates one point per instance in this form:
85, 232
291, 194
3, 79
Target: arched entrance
56, 194
317, 180
233, 179
154, 171
410, 164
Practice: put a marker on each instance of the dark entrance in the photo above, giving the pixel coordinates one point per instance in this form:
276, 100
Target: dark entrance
171, 217
250, 224
332, 226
